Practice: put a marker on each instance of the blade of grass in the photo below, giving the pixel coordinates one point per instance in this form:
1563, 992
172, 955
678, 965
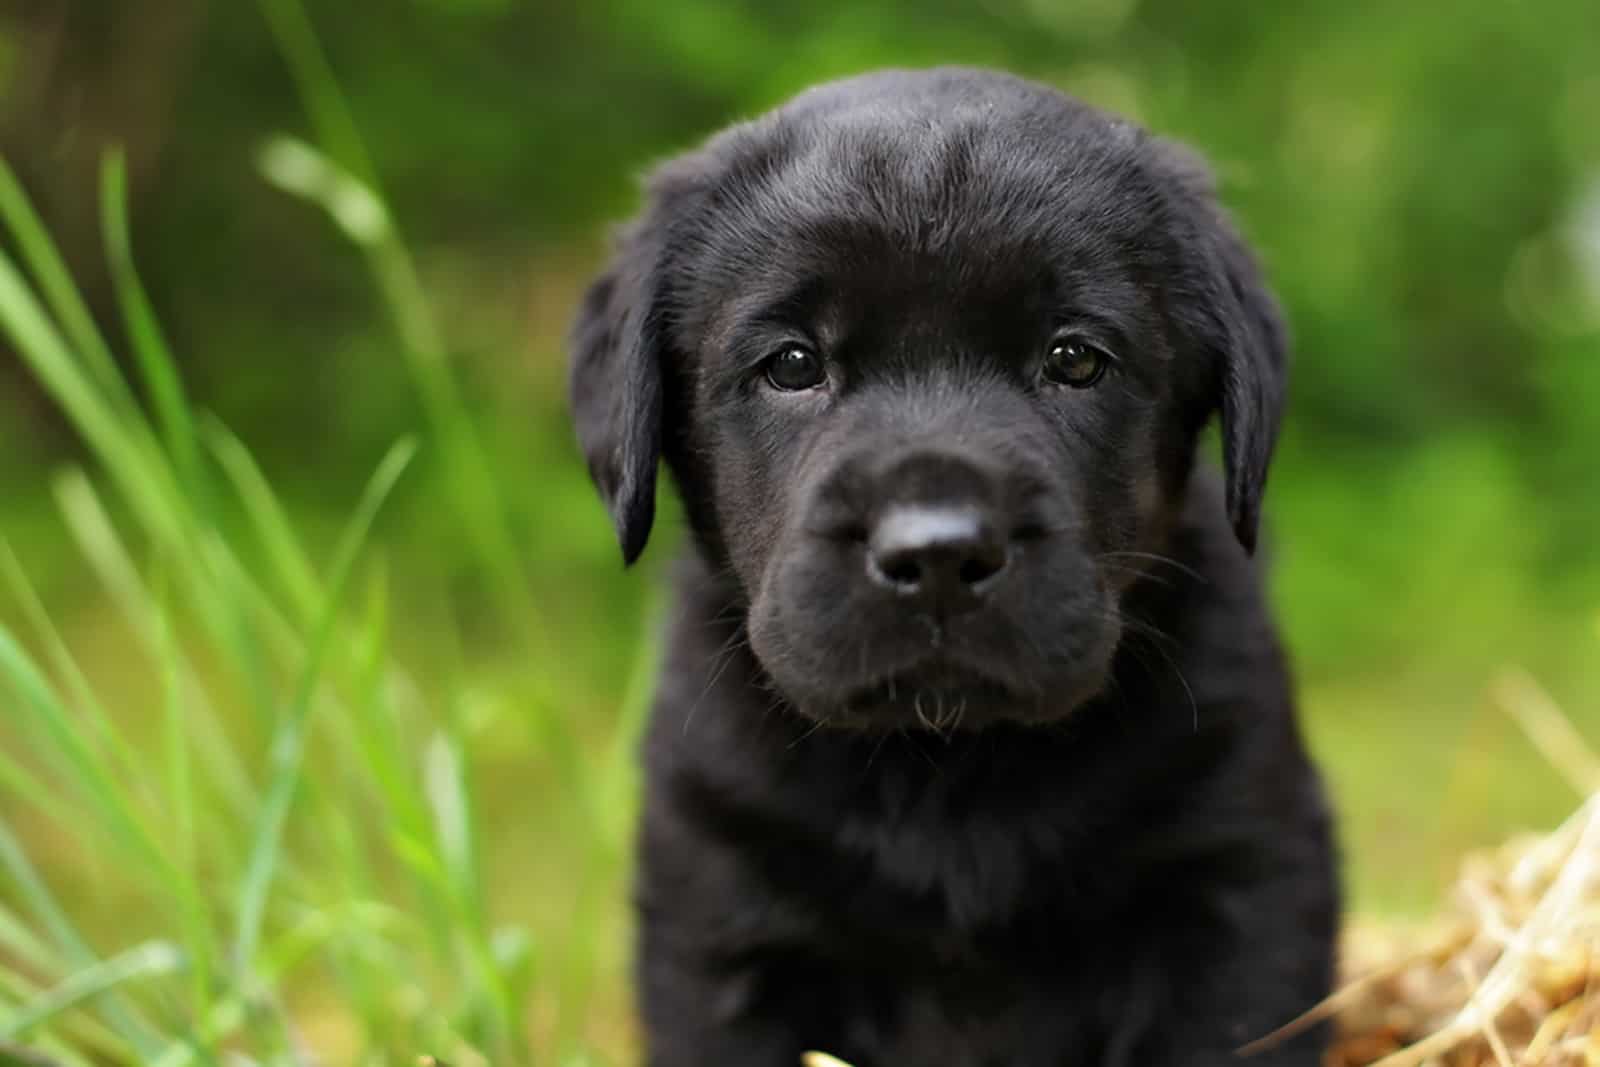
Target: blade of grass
85, 770
318, 89
449, 796
302, 170
61, 658
183, 804
383, 752
70, 1040
75, 950
362, 990
273, 530
444, 782
268, 520
96, 537
151, 354
119, 820
142, 477
49, 1053
20, 782
21, 943
217, 586
153, 959
41, 258
287, 749
342, 179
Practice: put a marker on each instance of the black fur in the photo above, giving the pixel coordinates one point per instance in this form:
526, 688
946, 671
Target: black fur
1070, 821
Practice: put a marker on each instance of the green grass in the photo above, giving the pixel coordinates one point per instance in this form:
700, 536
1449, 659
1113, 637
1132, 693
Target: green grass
268, 836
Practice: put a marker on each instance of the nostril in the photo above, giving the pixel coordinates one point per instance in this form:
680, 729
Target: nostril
903, 571
980, 569
1030, 531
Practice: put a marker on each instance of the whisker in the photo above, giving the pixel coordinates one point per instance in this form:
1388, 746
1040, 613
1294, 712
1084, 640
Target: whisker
813, 728
1155, 637
1137, 572
722, 659
1156, 557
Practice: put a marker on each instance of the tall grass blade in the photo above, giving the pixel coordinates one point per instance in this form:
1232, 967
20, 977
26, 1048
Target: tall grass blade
141, 476
23, 784
302, 170
449, 796
96, 537
267, 518
71, 944
84, 768
444, 780
41, 258
152, 960
183, 803
382, 747
288, 744
50, 1054
342, 178
150, 350
318, 88
84, 698
21, 943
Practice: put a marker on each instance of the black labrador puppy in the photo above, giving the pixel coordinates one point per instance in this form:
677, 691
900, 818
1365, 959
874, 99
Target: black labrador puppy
975, 744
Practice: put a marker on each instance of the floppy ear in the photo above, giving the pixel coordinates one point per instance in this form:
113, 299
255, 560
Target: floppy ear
615, 388
1254, 379
1244, 328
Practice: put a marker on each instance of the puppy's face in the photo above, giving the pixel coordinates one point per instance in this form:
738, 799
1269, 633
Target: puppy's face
928, 354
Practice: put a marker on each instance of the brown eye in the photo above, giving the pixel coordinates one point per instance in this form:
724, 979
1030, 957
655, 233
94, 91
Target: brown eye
1075, 363
796, 369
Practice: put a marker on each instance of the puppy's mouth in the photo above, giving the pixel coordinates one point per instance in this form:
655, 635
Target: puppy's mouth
937, 695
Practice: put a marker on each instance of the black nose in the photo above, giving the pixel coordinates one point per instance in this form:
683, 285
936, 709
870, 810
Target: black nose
941, 555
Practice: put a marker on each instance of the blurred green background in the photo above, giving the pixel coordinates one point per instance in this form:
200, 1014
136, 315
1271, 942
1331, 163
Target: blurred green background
1423, 182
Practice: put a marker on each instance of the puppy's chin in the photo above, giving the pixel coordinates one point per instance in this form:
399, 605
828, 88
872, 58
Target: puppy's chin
944, 703
939, 697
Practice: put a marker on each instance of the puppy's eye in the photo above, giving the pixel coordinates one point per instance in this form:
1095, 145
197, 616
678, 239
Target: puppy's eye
1075, 363
795, 369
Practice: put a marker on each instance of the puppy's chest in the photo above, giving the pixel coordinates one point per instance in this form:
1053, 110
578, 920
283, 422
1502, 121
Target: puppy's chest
959, 883
961, 947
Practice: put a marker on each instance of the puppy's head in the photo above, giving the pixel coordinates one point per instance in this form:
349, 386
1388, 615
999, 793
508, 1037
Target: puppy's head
928, 354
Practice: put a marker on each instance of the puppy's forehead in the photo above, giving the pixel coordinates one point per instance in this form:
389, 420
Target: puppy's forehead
960, 200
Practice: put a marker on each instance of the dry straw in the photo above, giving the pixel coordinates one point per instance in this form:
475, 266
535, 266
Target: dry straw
1509, 976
